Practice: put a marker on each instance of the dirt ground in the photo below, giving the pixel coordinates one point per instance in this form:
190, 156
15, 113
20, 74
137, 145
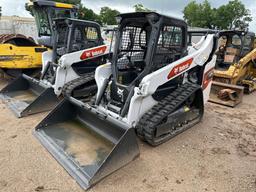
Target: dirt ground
218, 155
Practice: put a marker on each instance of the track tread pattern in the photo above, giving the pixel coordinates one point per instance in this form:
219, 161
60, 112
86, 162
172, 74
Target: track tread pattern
72, 85
146, 127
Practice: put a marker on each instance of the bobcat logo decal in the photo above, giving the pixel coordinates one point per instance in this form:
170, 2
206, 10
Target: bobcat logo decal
120, 93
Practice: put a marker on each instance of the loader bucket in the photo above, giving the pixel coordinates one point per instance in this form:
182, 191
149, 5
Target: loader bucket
226, 94
26, 96
88, 145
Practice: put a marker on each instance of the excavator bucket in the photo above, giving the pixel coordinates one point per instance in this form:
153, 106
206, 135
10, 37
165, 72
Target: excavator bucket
89, 145
226, 94
26, 96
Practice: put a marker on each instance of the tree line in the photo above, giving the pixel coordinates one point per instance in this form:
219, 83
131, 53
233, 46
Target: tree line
229, 16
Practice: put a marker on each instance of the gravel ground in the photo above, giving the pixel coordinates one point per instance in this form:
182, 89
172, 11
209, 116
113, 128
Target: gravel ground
218, 154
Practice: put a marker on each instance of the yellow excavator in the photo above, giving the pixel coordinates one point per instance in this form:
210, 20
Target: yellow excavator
20, 54
235, 70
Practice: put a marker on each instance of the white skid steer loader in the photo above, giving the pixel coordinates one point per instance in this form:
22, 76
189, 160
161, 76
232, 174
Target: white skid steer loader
68, 69
155, 87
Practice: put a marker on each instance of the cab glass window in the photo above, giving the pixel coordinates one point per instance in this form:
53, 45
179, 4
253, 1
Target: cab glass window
43, 23
236, 40
62, 13
91, 33
170, 36
247, 41
222, 41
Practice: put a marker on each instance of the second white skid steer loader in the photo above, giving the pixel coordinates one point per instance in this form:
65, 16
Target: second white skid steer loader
68, 69
155, 87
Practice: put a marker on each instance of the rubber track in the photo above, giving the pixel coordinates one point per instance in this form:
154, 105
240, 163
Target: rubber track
146, 127
70, 86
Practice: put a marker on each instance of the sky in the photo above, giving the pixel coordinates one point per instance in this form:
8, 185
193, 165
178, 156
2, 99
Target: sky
168, 7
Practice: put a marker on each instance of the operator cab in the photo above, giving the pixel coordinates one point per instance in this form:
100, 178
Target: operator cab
72, 35
145, 42
233, 45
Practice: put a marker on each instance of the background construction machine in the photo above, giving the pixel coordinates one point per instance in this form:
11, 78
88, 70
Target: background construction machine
154, 87
234, 73
68, 69
20, 54
44, 13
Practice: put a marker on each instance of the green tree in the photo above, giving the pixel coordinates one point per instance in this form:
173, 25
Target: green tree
140, 8
108, 16
0, 11
233, 14
88, 14
199, 15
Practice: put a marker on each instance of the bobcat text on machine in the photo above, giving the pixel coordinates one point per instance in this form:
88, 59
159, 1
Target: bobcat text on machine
235, 70
154, 87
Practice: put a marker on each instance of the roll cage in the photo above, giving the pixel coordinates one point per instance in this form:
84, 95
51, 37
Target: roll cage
71, 35
146, 42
